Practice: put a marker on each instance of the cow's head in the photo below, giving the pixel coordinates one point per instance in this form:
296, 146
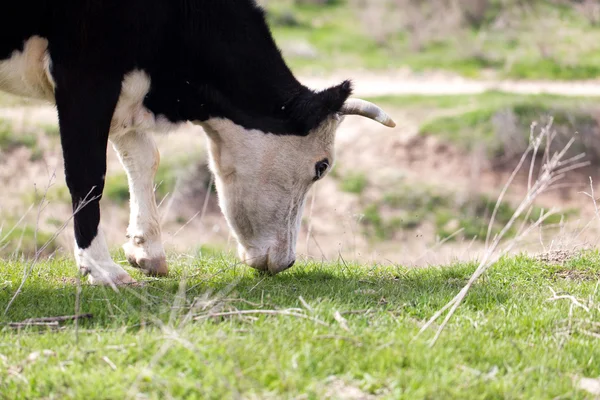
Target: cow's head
262, 179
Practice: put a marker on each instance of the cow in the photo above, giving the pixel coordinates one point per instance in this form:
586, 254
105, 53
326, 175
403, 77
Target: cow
118, 70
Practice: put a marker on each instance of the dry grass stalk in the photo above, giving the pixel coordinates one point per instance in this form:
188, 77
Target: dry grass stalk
172, 331
109, 362
572, 299
86, 200
288, 313
587, 327
18, 325
4, 240
553, 170
51, 320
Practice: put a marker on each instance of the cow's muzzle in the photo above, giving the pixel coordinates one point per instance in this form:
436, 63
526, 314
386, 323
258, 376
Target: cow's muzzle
268, 260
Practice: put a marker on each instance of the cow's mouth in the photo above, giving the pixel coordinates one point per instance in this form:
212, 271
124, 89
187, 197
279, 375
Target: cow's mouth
265, 260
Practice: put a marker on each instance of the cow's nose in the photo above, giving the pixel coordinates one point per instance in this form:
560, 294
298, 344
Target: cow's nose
275, 269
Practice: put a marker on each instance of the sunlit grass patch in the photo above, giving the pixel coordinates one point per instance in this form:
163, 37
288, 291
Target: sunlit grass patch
19, 240
504, 130
406, 207
532, 40
161, 339
500, 123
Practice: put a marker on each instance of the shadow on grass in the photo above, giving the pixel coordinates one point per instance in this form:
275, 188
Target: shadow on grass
347, 289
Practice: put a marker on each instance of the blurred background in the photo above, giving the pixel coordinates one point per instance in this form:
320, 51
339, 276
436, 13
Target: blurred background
464, 80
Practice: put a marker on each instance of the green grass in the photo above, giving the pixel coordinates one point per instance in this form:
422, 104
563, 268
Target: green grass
408, 206
10, 141
490, 99
506, 328
504, 129
354, 182
545, 40
116, 188
24, 239
332, 31
501, 122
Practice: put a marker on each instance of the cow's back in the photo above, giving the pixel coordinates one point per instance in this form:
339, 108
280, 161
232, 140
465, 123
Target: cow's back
221, 47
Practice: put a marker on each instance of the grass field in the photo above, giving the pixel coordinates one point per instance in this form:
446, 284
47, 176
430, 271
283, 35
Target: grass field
537, 39
500, 122
350, 336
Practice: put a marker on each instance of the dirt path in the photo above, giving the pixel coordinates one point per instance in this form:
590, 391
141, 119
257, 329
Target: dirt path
387, 84
369, 84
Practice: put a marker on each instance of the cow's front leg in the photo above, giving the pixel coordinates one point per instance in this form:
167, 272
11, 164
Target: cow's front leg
86, 101
140, 158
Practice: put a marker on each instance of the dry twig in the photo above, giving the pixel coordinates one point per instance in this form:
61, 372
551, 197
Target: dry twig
38, 254
553, 169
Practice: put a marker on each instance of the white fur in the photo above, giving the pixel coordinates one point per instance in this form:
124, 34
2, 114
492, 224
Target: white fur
27, 72
262, 181
130, 113
140, 158
97, 263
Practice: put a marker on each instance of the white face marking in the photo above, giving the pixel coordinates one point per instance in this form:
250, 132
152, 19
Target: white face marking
262, 181
27, 72
96, 261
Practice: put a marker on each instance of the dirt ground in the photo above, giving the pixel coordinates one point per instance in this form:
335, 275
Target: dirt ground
331, 216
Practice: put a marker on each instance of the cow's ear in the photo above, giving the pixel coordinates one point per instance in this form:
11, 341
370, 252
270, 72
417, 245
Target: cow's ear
312, 108
332, 100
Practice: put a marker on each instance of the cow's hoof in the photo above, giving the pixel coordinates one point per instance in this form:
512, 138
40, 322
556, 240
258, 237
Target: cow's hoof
139, 258
106, 278
121, 280
151, 267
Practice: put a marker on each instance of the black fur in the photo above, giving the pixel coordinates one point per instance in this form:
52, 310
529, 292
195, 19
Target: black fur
84, 122
206, 58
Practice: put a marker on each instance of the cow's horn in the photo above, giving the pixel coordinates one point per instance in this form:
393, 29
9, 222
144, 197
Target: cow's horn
367, 109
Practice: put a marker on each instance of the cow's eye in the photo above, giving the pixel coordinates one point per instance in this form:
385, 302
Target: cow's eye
321, 168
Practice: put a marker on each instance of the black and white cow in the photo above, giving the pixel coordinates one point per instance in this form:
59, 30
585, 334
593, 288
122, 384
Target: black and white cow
118, 69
